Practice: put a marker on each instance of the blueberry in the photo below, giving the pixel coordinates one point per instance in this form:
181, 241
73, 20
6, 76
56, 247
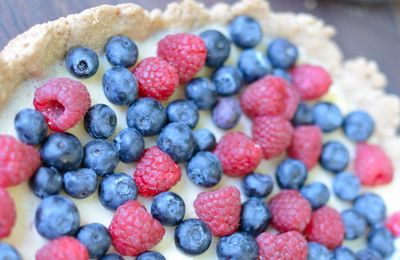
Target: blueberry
130, 145
95, 238
146, 115
317, 251
168, 208
358, 126
8, 252
255, 216
334, 157
282, 53
226, 114
80, 183
57, 216
327, 116
183, 111
371, 207
46, 182
382, 241
368, 254
82, 62
354, 224
303, 115
245, 31
120, 86
343, 253
100, 156
204, 169
282, 74
150, 255
204, 139
218, 48
254, 65
116, 189
346, 186
228, 80
111, 257
100, 121
192, 236
31, 127
240, 245
316, 193
202, 92
121, 51
291, 174
176, 139
62, 151
257, 185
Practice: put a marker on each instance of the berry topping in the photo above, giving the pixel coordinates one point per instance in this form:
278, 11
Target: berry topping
292, 101
204, 139
316, 193
343, 253
334, 157
63, 248
8, 252
218, 48
202, 92
346, 186
81, 183
393, 223
100, 121
255, 216
358, 126
317, 251
95, 238
120, 86
192, 236
7, 213
291, 174
282, 74
112, 256
239, 245
327, 116
303, 115
254, 65
257, 185
46, 182
282, 53
371, 207
31, 127
245, 31
226, 113
228, 80
82, 62
183, 111
368, 254
150, 255
168, 208
121, 51
100, 156
381, 240
354, 224
204, 169
130, 145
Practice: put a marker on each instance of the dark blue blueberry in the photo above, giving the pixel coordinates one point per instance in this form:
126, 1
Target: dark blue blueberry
218, 48
130, 145
46, 182
62, 151
205, 140
254, 65
240, 246
226, 114
95, 238
282, 53
121, 51
316, 193
346, 186
382, 241
101, 156
150, 255
116, 189
291, 174
228, 80
111, 257
255, 216
317, 251
80, 183
282, 74
371, 207
245, 31
31, 127
303, 115
343, 253
257, 185
334, 157
358, 126
327, 116
120, 86
168, 208
183, 111
192, 236
202, 92
7, 252
176, 139
354, 224
204, 169
100, 121
82, 62
57, 216
368, 254
146, 115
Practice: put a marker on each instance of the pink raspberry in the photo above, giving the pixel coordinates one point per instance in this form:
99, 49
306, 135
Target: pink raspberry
292, 101
7, 213
393, 223
63, 248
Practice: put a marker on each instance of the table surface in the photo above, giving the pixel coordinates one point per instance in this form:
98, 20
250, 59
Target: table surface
372, 31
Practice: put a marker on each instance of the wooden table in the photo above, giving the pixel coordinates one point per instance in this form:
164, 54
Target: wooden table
366, 30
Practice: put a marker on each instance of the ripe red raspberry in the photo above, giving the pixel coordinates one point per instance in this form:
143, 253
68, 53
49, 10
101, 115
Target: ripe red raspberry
7, 213
156, 172
393, 223
18, 161
133, 230
306, 145
238, 154
293, 99
372, 165
186, 52
156, 78
326, 227
311, 81
285, 246
273, 134
63, 102
220, 210
63, 248
290, 211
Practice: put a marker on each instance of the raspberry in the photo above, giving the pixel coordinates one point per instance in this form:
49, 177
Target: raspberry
133, 230
156, 77
292, 101
290, 211
63, 248
306, 145
220, 210
238, 154
7, 213
273, 134
285, 246
372, 165
63, 102
18, 161
326, 227
186, 52
156, 172
393, 224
